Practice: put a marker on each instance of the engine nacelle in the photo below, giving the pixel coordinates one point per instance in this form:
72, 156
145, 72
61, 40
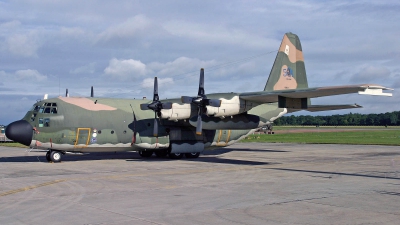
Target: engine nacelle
230, 107
177, 112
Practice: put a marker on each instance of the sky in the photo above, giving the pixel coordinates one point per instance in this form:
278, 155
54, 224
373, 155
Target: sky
120, 46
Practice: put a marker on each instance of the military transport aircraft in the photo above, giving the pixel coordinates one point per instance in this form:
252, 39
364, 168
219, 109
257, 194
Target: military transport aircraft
175, 127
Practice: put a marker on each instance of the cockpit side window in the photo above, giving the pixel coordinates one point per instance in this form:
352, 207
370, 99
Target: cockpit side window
47, 108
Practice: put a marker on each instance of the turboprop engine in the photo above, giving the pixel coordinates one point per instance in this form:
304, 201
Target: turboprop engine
230, 107
177, 112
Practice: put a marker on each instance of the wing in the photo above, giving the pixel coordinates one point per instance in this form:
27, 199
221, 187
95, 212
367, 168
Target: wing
275, 96
298, 99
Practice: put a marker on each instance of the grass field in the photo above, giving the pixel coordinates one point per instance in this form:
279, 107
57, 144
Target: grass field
12, 145
363, 137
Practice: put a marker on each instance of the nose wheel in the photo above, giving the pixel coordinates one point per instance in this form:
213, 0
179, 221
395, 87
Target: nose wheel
53, 156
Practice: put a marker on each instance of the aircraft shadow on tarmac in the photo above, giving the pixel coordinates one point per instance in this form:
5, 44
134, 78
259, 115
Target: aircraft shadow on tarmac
206, 156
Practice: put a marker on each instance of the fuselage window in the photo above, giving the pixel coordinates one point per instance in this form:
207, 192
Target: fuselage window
40, 122
41, 109
53, 110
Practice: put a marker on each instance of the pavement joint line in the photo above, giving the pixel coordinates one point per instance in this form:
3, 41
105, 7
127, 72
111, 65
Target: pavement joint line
30, 187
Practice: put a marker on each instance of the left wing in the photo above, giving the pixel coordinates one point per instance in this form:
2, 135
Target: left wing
298, 99
277, 96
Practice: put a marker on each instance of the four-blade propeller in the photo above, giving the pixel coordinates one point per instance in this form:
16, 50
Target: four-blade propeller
156, 106
201, 102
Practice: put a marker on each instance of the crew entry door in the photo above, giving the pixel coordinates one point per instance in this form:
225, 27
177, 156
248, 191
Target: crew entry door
82, 137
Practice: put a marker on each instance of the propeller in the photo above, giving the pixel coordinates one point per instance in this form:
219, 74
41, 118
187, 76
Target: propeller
66, 93
201, 101
156, 106
91, 92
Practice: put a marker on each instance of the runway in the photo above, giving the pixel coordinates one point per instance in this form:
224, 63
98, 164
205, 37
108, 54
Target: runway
247, 183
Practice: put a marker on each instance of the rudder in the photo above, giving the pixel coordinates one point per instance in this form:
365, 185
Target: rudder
288, 71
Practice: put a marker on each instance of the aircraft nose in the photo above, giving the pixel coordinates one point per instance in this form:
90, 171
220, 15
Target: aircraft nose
20, 131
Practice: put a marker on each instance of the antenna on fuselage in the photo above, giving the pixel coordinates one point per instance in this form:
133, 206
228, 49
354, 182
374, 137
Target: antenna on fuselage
66, 93
91, 92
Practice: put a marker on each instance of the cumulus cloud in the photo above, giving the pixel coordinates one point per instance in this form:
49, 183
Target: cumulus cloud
89, 68
215, 34
137, 26
180, 65
370, 73
10, 25
125, 69
30, 75
149, 82
24, 45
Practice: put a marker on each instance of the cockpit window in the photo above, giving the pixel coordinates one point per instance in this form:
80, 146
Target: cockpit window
47, 108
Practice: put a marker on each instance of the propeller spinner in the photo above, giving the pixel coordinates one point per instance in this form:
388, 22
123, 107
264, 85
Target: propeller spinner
156, 106
201, 101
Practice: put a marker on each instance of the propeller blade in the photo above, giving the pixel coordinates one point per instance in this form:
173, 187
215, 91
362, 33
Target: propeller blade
144, 106
91, 92
199, 127
155, 95
212, 102
201, 83
167, 105
134, 128
186, 99
155, 131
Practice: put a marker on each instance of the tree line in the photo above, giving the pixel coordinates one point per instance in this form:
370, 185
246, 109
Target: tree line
354, 119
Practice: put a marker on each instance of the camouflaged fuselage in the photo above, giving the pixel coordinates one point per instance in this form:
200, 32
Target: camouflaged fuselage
74, 124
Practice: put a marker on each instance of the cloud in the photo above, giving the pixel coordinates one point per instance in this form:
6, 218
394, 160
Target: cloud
149, 82
89, 68
125, 69
217, 34
29, 75
10, 25
134, 27
24, 45
370, 73
180, 66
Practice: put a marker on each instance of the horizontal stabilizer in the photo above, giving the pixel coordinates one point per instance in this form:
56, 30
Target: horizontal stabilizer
317, 108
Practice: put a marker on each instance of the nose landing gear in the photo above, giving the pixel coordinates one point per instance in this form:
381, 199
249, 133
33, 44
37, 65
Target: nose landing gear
53, 156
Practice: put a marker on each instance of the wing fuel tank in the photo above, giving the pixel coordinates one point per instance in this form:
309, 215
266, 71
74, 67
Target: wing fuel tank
238, 122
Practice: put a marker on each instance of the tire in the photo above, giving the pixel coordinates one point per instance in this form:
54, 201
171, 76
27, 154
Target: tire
55, 156
48, 156
192, 155
146, 154
175, 155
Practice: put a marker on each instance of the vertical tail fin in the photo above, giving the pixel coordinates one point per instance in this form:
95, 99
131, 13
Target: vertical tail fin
288, 71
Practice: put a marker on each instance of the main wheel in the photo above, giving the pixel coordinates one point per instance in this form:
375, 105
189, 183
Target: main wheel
48, 156
192, 155
161, 153
55, 156
175, 155
146, 153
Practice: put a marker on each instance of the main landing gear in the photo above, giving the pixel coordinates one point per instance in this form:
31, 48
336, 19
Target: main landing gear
53, 156
164, 153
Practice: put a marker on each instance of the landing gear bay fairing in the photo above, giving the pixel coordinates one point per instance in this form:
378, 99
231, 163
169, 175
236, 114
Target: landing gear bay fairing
176, 127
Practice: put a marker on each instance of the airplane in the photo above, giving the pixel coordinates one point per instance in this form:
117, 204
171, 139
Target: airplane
176, 127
